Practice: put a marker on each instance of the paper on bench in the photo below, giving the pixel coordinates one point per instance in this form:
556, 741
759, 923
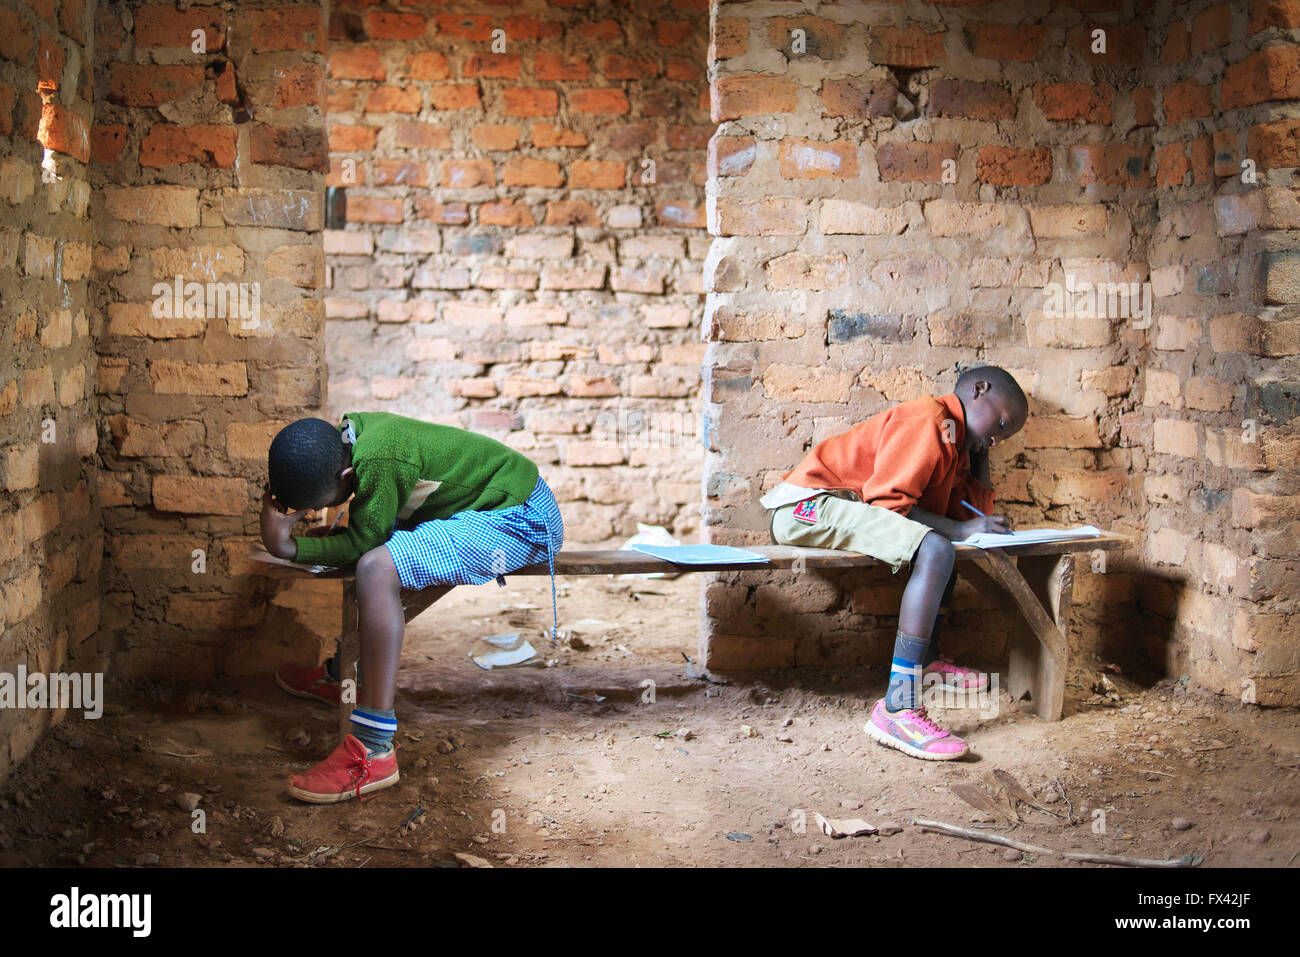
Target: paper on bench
1029, 536
702, 554
261, 555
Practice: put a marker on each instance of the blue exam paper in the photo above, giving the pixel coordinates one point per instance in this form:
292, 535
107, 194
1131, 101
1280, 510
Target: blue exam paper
702, 554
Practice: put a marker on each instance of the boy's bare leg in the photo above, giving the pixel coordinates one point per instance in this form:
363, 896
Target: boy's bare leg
381, 626
932, 567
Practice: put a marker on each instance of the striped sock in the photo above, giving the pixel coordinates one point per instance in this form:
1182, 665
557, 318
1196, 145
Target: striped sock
374, 728
905, 672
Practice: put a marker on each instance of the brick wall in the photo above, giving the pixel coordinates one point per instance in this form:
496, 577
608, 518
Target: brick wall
51, 544
896, 198
208, 164
1220, 392
524, 238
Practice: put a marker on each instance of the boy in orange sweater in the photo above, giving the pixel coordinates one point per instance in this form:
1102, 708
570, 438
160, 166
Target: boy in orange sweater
902, 487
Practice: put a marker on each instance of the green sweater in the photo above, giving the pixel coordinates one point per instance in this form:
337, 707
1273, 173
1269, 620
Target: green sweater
415, 471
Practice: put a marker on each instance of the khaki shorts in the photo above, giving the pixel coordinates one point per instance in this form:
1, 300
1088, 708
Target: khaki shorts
828, 521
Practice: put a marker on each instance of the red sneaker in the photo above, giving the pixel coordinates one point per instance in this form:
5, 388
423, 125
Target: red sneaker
348, 773
315, 684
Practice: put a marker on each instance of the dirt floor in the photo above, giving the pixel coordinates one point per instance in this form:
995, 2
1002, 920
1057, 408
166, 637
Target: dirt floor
525, 767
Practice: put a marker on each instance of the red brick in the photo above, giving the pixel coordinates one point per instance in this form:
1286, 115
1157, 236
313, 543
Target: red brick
571, 212
1177, 46
556, 66
287, 28
1271, 74
858, 98
7, 101
398, 173
146, 85
730, 38
347, 139
753, 94
1284, 14
208, 145
301, 85
464, 174
812, 159
1144, 110
227, 91
529, 171
16, 35
448, 214
1186, 100
501, 66
457, 96
1075, 102
106, 142
1114, 164
507, 212
609, 100
393, 99
1172, 165
361, 63
487, 136
1211, 28
429, 65
477, 27
909, 47
599, 30
673, 33
411, 135
597, 174
546, 135
374, 209
529, 101
977, 101
914, 162
294, 148
1005, 166
1125, 45
65, 132
1274, 145
1202, 160
615, 66
395, 26
164, 26
50, 60
71, 18
1001, 41
530, 28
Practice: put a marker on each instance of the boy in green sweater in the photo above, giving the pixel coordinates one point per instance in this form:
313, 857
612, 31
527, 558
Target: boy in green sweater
434, 505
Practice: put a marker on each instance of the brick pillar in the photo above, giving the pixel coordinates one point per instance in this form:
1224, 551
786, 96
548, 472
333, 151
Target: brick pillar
50, 540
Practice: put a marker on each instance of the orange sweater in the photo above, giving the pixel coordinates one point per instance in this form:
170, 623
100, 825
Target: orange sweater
902, 457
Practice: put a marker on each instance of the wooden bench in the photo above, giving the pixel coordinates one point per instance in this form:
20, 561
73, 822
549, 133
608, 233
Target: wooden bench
1031, 583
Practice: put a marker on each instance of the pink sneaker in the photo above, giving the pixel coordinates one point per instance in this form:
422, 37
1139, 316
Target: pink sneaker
912, 732
955, 677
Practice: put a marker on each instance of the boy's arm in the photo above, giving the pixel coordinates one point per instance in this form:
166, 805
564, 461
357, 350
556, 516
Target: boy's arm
974, 487
906, 460
370, 521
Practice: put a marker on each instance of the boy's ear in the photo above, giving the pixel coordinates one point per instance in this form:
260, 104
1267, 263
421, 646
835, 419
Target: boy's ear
978, 388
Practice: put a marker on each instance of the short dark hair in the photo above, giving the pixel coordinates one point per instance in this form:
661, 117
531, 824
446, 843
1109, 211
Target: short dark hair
304, 462
1000, 379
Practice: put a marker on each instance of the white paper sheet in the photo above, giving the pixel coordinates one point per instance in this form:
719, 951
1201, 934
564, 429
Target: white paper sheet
1027, 536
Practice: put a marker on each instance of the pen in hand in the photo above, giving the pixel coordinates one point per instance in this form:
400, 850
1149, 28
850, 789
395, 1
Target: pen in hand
982, 515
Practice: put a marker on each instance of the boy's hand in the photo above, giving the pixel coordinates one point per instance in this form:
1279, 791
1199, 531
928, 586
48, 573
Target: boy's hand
989, 523
276, 525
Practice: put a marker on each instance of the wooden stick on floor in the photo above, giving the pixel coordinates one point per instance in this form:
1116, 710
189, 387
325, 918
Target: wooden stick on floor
952, 830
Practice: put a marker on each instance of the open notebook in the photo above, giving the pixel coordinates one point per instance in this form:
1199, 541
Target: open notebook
702, 554
1029, 536
262, 555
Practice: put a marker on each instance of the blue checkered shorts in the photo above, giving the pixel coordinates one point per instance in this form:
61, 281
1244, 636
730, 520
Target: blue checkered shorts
472, 548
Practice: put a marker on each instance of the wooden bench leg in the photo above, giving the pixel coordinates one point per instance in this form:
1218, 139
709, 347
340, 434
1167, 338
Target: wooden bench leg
1041, 586
413, 603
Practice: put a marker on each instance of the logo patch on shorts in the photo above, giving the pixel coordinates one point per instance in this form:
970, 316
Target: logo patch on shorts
806, 511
